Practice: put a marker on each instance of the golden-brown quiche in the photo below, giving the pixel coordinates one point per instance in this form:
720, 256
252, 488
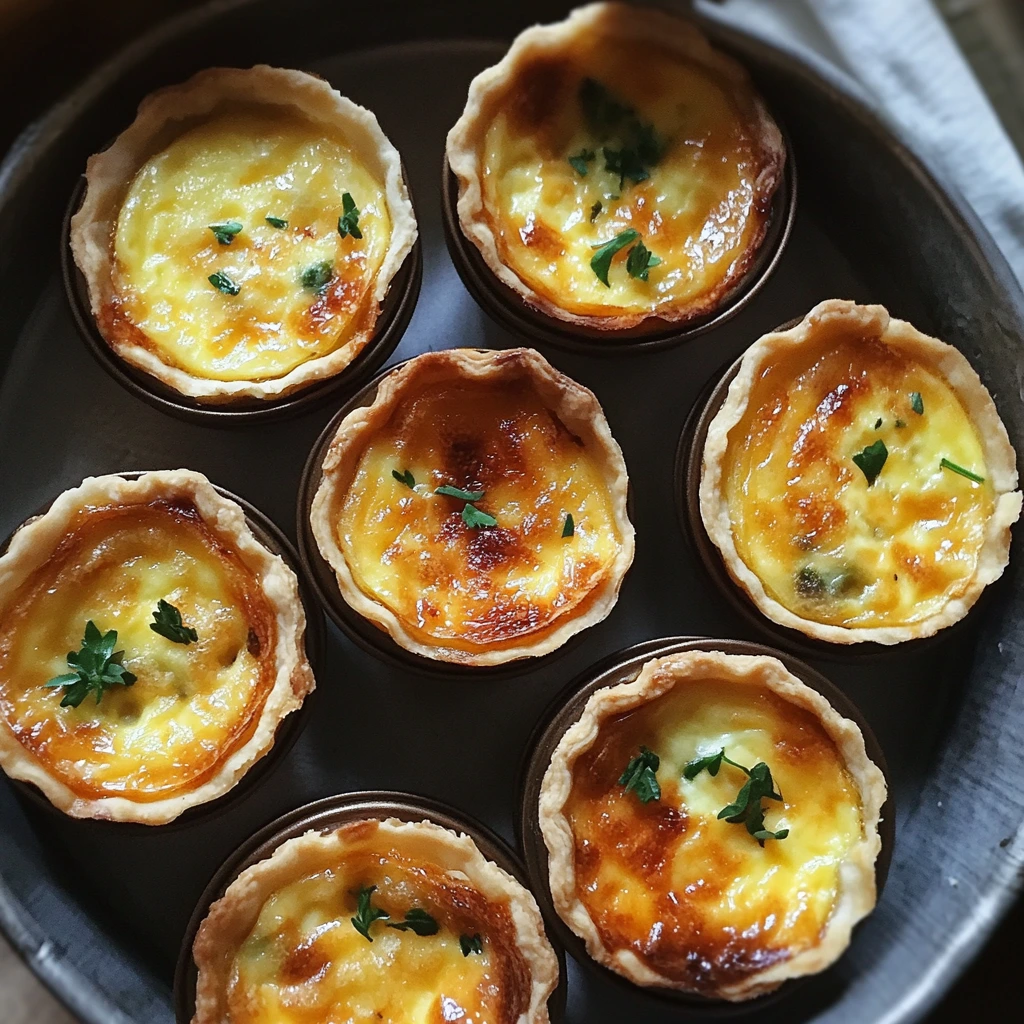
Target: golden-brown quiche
712, 826
615, 167
150, 647
858, 480
476, 510
377, 921
239, 237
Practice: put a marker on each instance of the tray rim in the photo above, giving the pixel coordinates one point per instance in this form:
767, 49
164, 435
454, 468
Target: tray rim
75, 991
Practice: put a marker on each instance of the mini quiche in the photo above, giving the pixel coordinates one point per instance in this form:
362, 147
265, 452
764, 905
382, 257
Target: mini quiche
377, 921
150, 647
476, 511
238, 238
712, 827
857, 480
615, 168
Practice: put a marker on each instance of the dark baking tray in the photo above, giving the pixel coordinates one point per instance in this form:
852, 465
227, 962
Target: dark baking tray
99, 914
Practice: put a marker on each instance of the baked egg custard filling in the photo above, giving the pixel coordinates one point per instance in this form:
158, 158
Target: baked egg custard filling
228, 259
190, 705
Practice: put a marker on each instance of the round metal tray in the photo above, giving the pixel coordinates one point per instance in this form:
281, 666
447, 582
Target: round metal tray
100, 914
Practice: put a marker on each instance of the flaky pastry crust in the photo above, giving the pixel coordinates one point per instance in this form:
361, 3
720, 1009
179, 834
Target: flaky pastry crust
1000, 458
626, 22
164, 115
37, 540
233, 916
579, 410
857, 889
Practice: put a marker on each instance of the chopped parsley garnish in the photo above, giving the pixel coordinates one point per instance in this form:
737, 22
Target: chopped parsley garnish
348, 222
878, 422
405, 477
167, 622
917, 402
640, 778
457, 492
276, 222
746, 809
819, 582
569, 527
871, 460
471, 944
626, 163
475, 519
225, 233
316, 277
954, 468
366, 913
418, 921
639, 260
223, 283
601, 261
595, 210
96, 667
601, 109
900, 424
580, 160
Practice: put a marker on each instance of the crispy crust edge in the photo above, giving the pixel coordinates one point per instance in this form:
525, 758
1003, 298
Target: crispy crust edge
639, 23
857, 890
33, 544
162, 116
578, 407
959, 374
231, 918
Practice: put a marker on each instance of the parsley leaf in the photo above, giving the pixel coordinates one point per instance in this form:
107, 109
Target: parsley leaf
457, 492
475, 519
954, 468
640, 778
276, 222
602, 110
405, 477
746, 809
639, 146
366, 913
639, 260
418, 921
601, 261
167, 622
871, 460
626, 163
878, 422
225, 233
223, 283
580, 161
711, 762
917, 402
471, 944
316, 277
95, 668
348, 222
595, 210
569, 527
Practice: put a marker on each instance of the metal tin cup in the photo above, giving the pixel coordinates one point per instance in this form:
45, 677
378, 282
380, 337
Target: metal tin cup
395, 313
270, 535
325, 816
512, 312
566, 710
358, 629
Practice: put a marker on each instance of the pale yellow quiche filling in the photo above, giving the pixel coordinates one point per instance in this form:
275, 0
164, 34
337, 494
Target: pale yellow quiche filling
191, 705
290, 289
825, 541
695, 897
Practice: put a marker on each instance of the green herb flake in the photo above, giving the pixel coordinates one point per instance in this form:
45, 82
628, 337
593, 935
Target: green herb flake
475, 519
917, 402
471, 944
348, 222
601, 261
167, 622
746, 809
817, 582
223, 283
954, 468
225, 233
878, 422
418, 921
405, 477
595, 210
900, 424
871, 460
457, 492
316, 277
568, 527
96, 668
639, 260
601, 109
580, 160
366, 913
276, 222
709, 762
640, 776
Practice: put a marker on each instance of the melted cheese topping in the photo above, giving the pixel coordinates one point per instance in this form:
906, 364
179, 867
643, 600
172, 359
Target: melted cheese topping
467, 588
695, 898
304, 962
246, 166
191, 706
698, 211
823, 542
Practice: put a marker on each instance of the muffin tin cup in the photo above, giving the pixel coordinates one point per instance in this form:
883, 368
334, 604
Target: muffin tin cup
514, 313
324, 816
566, 710
395, 313
368, 636
271, 537
688, 461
